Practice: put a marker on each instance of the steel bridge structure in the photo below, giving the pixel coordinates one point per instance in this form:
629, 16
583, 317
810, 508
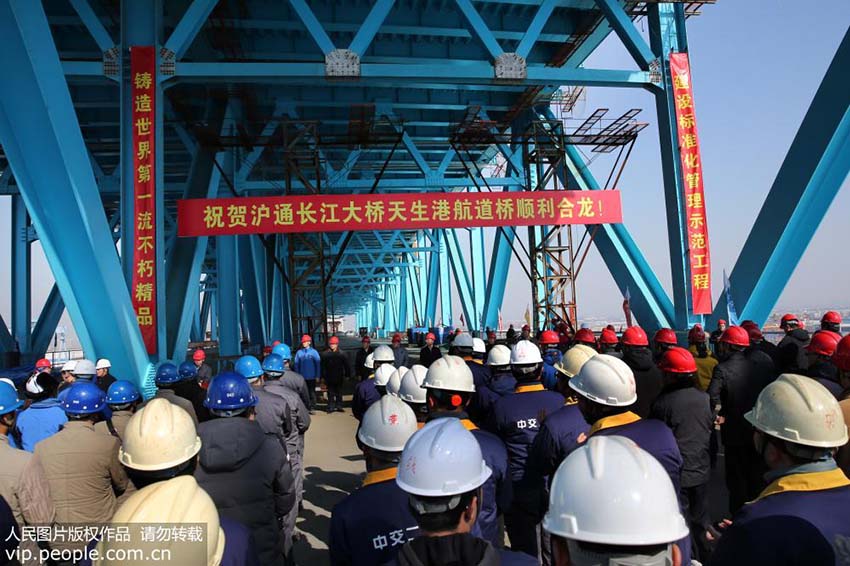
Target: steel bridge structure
272, 97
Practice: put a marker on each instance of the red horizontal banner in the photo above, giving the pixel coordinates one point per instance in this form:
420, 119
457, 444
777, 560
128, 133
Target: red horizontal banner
397, 211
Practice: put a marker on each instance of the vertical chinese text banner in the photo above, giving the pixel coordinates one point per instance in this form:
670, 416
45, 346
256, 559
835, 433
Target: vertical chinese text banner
143, 89
700, 259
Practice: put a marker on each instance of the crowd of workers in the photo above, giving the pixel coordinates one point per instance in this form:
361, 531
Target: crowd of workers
560, 448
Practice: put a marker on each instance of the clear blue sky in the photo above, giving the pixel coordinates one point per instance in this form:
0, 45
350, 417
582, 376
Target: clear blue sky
756, 66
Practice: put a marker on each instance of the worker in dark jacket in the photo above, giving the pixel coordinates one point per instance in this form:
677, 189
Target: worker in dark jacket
190, 389
638, 357
429, 353
370, 525
803, 515
500, 383
442, 472
243, 469
758, 342
715, 335
792, 347
167, 380
686, 410
735, 386
605, 388
360, 359
204, 373
565, 429
819, 353
463, 346
517, 419
335, 370
449, 388
103, 377
291, 378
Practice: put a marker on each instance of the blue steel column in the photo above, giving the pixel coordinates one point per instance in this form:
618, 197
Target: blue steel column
41, 138
479, 274
403, 298
813, 171
227, 296
666, 34
445, 282
21, 273
433, 284
47, 321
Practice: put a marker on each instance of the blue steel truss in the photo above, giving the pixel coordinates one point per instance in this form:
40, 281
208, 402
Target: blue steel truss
237, 78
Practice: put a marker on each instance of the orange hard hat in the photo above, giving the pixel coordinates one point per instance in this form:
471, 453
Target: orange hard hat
635, 336
585, 336
199, 355
333, 340
608, 337
549, 337
841, 357
736, 336
831, 317
677, 360
823, 344
696, 335
665, 336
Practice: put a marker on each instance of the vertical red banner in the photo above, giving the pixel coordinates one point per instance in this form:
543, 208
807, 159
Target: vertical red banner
143, 92
692, 181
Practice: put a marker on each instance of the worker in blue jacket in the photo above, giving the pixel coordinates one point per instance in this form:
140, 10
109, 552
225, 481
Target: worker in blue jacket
449, 389
803, 515
549, 341
463, 346
606, 393
517, 419
371, 525
45, 416
500, 383
309, 364
564, 430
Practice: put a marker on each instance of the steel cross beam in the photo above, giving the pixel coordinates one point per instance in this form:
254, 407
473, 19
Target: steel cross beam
41, 138
816, 165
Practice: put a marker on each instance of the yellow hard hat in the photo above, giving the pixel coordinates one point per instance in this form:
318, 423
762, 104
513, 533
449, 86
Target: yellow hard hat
574, 359
159, 436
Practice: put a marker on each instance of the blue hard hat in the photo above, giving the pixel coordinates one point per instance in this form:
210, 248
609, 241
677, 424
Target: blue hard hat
273, 363
167, 373
248, 366
229, 391
121, 392
283, 351
84, 398
187, 370
9, 399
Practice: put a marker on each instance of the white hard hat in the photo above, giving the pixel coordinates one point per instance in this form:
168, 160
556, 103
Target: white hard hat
177, 501
70, 365
463, 340
478, 346
419, 371
387, 424
411, 389
449, 373
383, 375
85, 367
574, 359
384, 353
799, 410
525, 353
394, 384
500, 355
442, 459
159, 436
103, 363
612, 492
606, 380
370, 361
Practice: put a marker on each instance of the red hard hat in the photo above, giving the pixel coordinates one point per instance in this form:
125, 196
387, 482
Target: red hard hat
719, 322
754, 332
747, 324
789, 318
267, 350
490, 334
526, 327
366, 339
696, 335
275, 343
306, 338
333, 340
585, 336
396, 337
43, 363
430, 336
841, 357
608, 337
549, 337
831, 317
677, 360
665, 336
736, 336
635, 336
823, 344
611, 328
199, 354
